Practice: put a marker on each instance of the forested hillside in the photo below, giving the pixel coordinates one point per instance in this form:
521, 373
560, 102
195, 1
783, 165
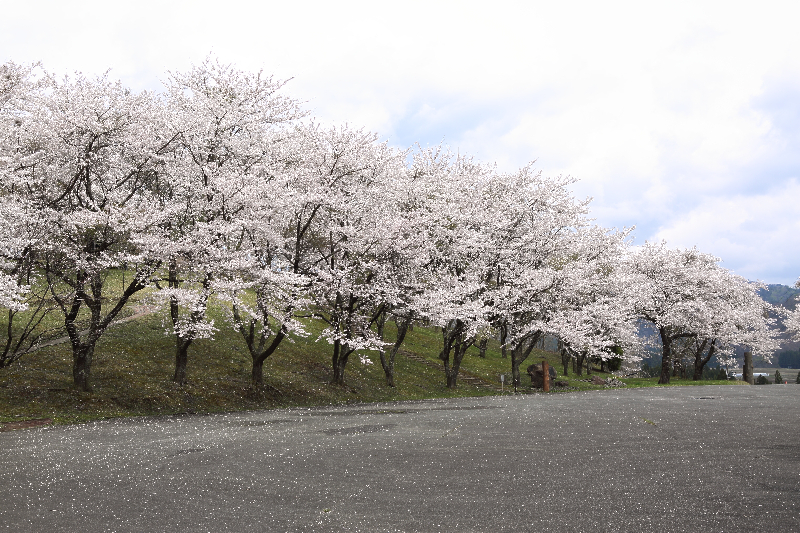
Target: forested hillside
781, 295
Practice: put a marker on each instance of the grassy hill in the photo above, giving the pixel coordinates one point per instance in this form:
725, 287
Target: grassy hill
133, 367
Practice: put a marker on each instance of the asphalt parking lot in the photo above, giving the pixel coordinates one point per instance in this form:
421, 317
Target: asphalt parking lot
657, 459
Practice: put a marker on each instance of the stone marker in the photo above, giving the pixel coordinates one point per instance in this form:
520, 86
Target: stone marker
537, 376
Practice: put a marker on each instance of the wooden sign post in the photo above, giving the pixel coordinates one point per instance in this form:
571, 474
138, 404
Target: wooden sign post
545, 376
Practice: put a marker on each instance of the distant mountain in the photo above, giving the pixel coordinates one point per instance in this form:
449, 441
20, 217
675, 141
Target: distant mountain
781, 295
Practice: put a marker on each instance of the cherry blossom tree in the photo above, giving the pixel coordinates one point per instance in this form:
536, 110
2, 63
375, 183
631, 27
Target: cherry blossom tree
344, 231
225, 125
738, 317
448, 222
217, 190
515, 253
685, 294
553, 272
85, 155
792, 321
267, 285
15, 85
22, 292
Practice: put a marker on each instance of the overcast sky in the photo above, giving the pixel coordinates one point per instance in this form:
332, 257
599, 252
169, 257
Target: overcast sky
681, 118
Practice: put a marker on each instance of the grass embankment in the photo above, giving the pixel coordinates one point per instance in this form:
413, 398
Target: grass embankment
133, 367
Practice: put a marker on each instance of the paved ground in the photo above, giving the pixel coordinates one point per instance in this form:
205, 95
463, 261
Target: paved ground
670, 459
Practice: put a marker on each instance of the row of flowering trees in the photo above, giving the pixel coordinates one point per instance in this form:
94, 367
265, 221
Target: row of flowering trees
219, 187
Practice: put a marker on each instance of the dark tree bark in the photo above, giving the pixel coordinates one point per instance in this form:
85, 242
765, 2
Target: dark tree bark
520, 351
181, 357
388, 362
482, 345
565, 357
454, 342
344, 309
667, 355
700, 361
88, 291
580, 358
256, 342
459, 350
747, 367
341, 352
182, 343
183, 340
81, 367
503, 339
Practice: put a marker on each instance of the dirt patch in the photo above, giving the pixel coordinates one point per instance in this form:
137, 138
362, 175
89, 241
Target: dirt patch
25, 424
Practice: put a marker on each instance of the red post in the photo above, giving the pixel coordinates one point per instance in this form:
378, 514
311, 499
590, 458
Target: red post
545, 376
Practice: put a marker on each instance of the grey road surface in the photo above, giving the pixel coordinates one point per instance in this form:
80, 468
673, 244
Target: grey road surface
699, 459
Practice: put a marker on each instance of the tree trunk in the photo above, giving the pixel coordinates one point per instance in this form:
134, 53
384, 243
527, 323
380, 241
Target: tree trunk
81, 367
666, 356
181, 357
183, 341
83, 346
579, 360
699, 361
257, 372
503, 339
516, 361
453, 341
459, 350
388, 370
747, 369
338, 370
452, 379
697, 374
388, 362
337, 378
482, 348
258, 354
519, 353
339, 360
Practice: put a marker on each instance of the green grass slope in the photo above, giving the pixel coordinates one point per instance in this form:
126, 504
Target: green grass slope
133, 366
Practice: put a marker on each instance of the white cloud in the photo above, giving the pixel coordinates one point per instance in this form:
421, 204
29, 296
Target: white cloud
757, 236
